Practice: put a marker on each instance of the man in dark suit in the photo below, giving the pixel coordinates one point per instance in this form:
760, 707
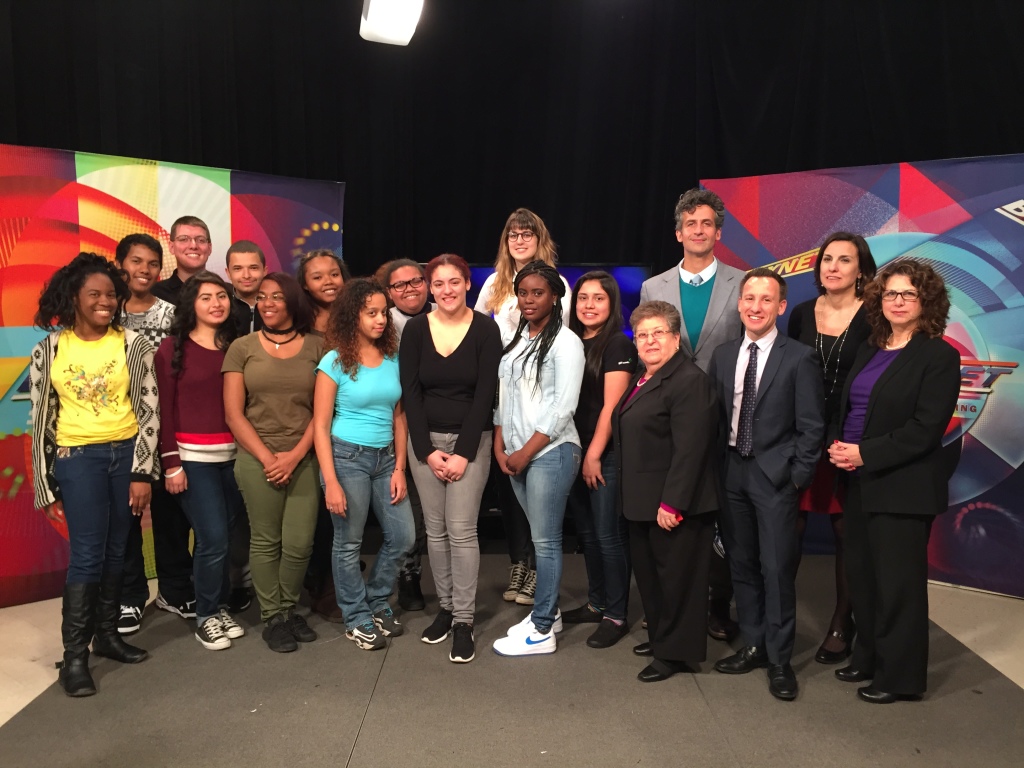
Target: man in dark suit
704, 290
772, 409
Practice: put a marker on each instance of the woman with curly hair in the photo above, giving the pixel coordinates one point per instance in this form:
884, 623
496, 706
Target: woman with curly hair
535, 440
360, 435
268, 404
322, 274
95, 417
524, 238
896, 405
197, 448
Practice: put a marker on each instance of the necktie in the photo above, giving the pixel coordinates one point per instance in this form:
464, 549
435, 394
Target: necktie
697, 280
745, 431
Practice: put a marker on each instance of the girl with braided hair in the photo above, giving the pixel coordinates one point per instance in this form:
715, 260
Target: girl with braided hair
535, 440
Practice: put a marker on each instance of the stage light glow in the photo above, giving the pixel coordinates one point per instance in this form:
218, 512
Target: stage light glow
390, 21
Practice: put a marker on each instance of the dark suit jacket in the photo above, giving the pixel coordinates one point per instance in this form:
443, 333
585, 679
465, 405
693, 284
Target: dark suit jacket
665, 443
909, 409
722, 321
789, 421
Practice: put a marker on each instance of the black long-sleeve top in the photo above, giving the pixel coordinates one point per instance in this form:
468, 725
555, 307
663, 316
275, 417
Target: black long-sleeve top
453, 394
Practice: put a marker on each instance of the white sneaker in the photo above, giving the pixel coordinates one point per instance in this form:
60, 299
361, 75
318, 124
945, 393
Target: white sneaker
212, 636
525, 626
530, 644
229, 625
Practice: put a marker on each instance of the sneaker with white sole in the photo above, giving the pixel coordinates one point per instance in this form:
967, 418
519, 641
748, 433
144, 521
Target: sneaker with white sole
229, 625
527, 591
367, 637
463, 644
388, 623
186, 610
439, 629
211, 634
516, 577
130, 620
525, 626
531, 644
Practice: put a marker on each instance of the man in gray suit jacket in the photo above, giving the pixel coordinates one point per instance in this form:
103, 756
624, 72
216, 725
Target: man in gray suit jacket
702, 288
705, 291
772, 409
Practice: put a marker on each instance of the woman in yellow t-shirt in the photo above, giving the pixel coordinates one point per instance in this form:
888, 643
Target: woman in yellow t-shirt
95, 415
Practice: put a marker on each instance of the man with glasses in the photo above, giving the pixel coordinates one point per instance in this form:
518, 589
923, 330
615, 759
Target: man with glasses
406, 286
705, 291
191, 247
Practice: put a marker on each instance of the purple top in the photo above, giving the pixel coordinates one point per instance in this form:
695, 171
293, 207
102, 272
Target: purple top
860, 392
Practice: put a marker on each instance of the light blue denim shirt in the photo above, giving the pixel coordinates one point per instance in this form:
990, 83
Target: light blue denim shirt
525, 408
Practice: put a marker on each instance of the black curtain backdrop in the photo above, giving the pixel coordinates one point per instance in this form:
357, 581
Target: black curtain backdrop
596, 114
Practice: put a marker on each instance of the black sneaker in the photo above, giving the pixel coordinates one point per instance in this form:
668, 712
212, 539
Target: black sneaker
277, 636
212, 636
130, 620
186, 610
585, 614
516, 577
239, 600
607, 634
463, 647
410, 596
526, 592
387, 622
300, 630
367, 637
439, 629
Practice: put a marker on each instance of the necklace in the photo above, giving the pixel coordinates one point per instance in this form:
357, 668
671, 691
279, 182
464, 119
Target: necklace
280, 332
277, 344
826, 360
891, 344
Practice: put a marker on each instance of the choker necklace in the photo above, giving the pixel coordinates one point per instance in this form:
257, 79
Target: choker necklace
277, 344
281, 332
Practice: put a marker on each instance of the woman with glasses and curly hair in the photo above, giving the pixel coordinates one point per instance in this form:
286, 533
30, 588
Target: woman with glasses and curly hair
896, 405
524, 238
361, 439
95, 417
268, 403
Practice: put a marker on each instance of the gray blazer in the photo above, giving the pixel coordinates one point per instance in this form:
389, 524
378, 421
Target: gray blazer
722, 322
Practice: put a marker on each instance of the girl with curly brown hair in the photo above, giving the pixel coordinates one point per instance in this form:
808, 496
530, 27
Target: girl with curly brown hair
360, 434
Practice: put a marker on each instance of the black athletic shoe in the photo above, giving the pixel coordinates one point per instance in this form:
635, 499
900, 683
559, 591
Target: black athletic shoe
277, 636
463, 646
439, 630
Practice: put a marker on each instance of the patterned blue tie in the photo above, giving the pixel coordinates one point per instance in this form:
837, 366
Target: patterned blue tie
745, 431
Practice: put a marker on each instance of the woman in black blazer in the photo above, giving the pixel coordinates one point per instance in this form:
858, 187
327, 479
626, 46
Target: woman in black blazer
897, 402
665, 430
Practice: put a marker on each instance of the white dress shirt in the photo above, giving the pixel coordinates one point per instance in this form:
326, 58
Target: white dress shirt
705, 274
764, 347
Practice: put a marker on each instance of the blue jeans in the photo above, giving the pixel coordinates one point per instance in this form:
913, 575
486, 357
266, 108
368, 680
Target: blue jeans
605, 537
365, 476
543, 489
93, 481
211, 503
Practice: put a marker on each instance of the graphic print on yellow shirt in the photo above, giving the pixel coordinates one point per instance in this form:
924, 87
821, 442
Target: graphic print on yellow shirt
91, 380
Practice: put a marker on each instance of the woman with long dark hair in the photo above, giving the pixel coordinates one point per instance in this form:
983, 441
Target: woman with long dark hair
595, 315
322, 274
361, 437
95, 416
268, 403
197, 448
535, 440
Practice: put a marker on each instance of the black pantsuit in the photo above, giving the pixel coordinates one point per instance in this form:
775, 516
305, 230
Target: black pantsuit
676, 608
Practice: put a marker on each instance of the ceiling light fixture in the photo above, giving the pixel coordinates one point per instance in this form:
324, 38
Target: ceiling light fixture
390, 21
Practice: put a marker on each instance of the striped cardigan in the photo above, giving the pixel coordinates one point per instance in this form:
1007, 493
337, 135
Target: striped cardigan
46, 405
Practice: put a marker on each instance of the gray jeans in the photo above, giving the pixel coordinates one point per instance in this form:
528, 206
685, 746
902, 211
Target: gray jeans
450, 512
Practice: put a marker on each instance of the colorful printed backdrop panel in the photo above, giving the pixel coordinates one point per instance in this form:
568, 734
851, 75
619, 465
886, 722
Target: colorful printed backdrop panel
55, 203
966, 219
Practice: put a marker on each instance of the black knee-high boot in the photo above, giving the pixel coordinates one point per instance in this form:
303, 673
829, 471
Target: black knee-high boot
108, 642
76, 629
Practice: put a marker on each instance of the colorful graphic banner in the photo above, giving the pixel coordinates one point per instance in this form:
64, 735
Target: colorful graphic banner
54, 204
966, 219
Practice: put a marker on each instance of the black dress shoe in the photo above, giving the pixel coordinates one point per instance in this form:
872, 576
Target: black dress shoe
747, 660
659, 670
874, 696
782, 682
607, 634
851, 674
644, 649
585, 614
825, 656
720, 623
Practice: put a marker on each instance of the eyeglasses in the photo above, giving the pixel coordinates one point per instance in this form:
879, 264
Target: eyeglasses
656, 335
277, 297
185, 240
525, 235
401, 285
908, 296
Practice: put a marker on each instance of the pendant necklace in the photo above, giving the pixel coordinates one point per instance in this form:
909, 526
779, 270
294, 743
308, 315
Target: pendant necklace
277, 344
826, 360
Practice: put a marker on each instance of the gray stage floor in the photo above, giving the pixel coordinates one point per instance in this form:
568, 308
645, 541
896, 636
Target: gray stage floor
333, 704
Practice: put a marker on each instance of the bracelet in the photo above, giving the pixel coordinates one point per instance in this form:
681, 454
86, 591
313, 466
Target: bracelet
174, 474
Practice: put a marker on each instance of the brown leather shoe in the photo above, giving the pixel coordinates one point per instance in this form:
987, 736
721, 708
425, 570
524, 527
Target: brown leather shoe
325, 604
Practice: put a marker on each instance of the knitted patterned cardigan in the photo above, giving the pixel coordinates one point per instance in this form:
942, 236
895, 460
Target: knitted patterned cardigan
46, 405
